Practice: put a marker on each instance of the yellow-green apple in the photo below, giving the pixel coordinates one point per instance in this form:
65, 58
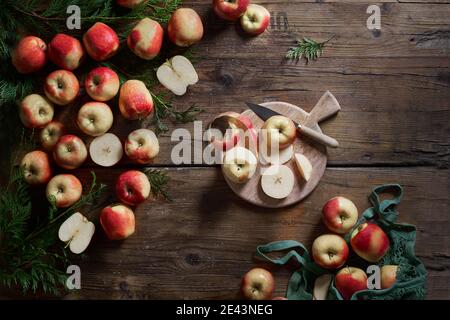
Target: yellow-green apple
102, 84
36, 167
230, 9
95, 118
35, 111
70, 152
388, 276
106, 150
255, 20
50, 135
77, 232
117, 221
64, 190
340, 214
185, 27
239, 164
146, 38
65, 51
101, 42
258, 284
281, 131
135, 101
61, 87
370, 242
177, 74
277, 181
350, 280
29, 55
129, 3
304, 166
330, 251
142, 146
133, 187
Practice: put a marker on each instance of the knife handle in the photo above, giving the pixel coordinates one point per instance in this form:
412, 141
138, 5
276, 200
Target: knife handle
319, 137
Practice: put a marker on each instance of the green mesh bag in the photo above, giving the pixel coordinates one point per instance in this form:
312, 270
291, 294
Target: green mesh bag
411, 275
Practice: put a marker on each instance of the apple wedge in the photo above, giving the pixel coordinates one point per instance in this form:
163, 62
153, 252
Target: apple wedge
321, 286
283, 156
304, 166
177, 74
77, 230
106, 150
277, 181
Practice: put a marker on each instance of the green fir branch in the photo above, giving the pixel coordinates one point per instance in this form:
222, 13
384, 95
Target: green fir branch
158, 181
306, 48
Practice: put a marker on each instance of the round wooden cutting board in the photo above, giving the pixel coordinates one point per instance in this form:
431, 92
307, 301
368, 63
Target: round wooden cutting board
315, 152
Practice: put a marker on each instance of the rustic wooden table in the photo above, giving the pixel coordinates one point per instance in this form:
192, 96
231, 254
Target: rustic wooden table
393, 86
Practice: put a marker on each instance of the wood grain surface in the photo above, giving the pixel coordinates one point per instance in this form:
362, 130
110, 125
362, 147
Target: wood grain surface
393, 87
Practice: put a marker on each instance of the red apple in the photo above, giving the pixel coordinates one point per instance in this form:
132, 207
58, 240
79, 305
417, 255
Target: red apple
230, 9
146, 38
95, 118
65, 189
280, 130
258, 284
340, 214
70, 152
36, 167
350, 280
388, 276
255, 20
35, 111
132, 187
61, 87
185, 27
370, 242
65, 51
117, 221
330, 251
129, 3
102, 84
29, 55
101, 42
51, 134
135, 101
142, 146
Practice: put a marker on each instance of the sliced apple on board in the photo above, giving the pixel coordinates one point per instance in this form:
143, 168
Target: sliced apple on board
304, 166
321, 286
106, 150
277, 181
177, 74
77, 231
283, 156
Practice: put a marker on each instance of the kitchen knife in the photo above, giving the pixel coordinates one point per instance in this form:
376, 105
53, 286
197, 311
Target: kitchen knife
265, 113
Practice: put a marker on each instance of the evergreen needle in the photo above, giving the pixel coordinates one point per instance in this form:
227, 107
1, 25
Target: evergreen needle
306, 48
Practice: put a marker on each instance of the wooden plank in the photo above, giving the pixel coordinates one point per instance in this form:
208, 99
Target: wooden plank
199, 245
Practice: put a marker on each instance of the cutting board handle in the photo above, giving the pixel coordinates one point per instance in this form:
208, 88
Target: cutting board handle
325, 108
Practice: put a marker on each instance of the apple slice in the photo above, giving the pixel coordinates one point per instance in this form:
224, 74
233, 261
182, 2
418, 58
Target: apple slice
277, 181
177, 74
77, 230
304, 166
284, 155
106, 150
321, 286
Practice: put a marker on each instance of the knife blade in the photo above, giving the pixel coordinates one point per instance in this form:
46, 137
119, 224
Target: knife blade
266, 113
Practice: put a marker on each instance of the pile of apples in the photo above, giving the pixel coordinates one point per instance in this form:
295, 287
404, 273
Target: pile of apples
95, 118
330, 251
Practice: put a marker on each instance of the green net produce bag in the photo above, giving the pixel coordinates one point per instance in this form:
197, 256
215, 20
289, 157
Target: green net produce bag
411, 275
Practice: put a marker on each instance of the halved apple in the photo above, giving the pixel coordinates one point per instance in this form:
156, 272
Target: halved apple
177, 74
106, 150
77, 230
277, 181
321, 286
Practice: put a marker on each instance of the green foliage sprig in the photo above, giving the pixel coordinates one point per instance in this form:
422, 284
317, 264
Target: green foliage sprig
158, 181
306, 48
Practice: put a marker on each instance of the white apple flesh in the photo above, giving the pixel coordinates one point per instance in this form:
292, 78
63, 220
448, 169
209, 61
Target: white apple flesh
77, 230
277, 181
177, 74
304, 166
106, 150
321, 286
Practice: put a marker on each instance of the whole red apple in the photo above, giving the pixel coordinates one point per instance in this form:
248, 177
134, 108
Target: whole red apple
388, 276
65, 51
370, 242
258, 284
61, 87
64, 189
102, 84
330, 251
135, 101
51, 134
132, 187
230, 9
146, 38
70, 152
118, 221
350, 280
101, 42
29, 55
340, 214
36, 167
35, 111
255, 20
185, 27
